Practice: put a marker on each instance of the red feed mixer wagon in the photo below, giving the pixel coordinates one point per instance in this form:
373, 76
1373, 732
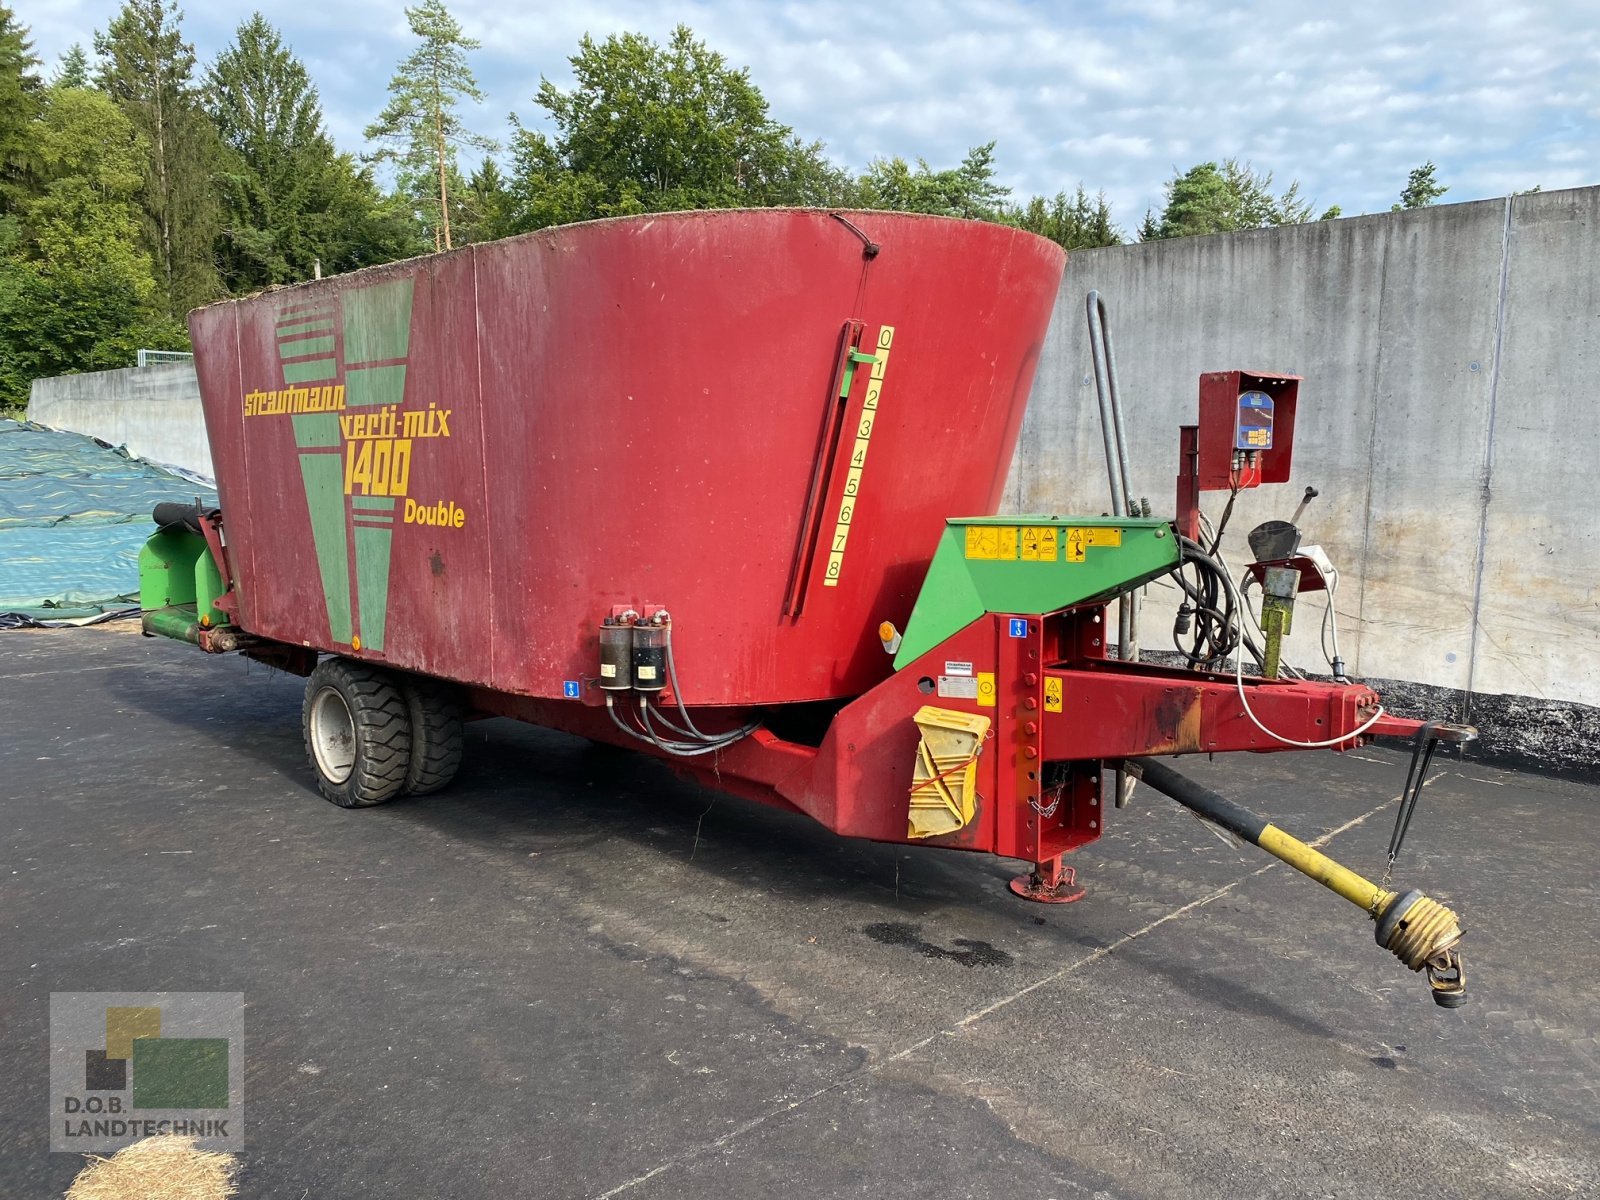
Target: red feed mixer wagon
718, 487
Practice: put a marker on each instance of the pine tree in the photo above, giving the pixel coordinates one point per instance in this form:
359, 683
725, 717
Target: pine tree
1421, 189
1075, 222
421, 125
290, 199
147, 68
73, 69
21, 97
484, 209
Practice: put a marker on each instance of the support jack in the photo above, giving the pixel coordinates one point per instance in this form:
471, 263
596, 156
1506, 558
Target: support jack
1049, 883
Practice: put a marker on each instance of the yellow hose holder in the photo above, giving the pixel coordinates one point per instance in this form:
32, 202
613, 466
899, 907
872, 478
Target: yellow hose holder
945, 777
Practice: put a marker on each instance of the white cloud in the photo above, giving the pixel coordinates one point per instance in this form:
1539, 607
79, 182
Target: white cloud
1500, 94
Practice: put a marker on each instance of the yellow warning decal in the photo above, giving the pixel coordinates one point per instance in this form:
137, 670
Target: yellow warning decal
1039, 543
1080, 538
995, 542
1052, 693
858, 458
985, 689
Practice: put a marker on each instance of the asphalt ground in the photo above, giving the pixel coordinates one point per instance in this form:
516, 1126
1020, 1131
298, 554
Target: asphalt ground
574, 975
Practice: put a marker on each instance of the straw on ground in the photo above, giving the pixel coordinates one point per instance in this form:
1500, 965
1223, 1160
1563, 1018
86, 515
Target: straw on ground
158, 1168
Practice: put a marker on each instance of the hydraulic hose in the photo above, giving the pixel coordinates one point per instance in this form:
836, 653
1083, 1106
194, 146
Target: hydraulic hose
667, 746
173, 512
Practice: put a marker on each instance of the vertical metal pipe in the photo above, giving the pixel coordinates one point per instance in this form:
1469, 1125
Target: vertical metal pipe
1122, 503
1115, 394
1094, 310
1128, 609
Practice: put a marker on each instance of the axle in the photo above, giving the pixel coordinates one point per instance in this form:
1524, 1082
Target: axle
1420, 932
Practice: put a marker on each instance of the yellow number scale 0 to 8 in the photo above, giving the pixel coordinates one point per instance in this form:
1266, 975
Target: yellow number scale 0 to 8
858, 457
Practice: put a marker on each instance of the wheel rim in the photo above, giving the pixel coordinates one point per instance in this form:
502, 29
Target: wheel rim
333, 735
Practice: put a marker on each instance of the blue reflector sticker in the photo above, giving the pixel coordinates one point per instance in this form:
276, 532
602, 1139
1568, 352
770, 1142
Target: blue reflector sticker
572, 689
1019, 627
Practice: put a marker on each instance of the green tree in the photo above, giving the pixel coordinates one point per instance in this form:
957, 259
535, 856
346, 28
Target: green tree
388, 231
652, 128
485, 208
421, 125
21, 97
148, 69
1217, 198
73, 69
76, 291
290, 200
1421, 189
969, 190
1075, 222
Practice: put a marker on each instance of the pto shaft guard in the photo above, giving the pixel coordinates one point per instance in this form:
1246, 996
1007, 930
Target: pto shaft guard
1421, 933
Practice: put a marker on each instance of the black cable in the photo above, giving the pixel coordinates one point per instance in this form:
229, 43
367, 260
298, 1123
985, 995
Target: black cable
1256, 651
1215, 631
1227, 511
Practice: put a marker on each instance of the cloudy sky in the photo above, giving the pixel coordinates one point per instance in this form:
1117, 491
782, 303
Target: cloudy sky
1346, 98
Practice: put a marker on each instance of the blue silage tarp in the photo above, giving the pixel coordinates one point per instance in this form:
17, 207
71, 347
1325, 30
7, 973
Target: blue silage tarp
74, 513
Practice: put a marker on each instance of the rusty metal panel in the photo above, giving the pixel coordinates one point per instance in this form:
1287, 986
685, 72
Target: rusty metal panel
458, 464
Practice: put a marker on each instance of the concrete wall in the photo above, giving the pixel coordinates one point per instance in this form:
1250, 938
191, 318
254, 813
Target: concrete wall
154, 411
1450, 417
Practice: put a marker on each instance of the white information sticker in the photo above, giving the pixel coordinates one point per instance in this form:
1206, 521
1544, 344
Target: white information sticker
958, 668
958, 687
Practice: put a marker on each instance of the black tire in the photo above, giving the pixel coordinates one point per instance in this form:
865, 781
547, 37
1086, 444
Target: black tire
357, 733
437, 740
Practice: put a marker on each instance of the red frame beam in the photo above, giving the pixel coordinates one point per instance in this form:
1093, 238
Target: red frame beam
1129, 711
1060, 711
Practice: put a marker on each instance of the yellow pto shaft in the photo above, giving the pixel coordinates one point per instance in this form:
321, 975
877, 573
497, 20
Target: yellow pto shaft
1422, 933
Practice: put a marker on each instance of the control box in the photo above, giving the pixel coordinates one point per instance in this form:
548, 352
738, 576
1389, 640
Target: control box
1246, 432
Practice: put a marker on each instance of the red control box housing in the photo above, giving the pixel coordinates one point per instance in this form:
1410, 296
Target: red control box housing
1222, 466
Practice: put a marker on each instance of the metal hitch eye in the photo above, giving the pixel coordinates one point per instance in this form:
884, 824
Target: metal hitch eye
1447, 980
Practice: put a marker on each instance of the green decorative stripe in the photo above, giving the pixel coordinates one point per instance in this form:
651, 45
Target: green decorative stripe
373, 503
374, 385
372, 583
304, 346
316, 370
377, 322
312, 430
321, 325
323, 475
